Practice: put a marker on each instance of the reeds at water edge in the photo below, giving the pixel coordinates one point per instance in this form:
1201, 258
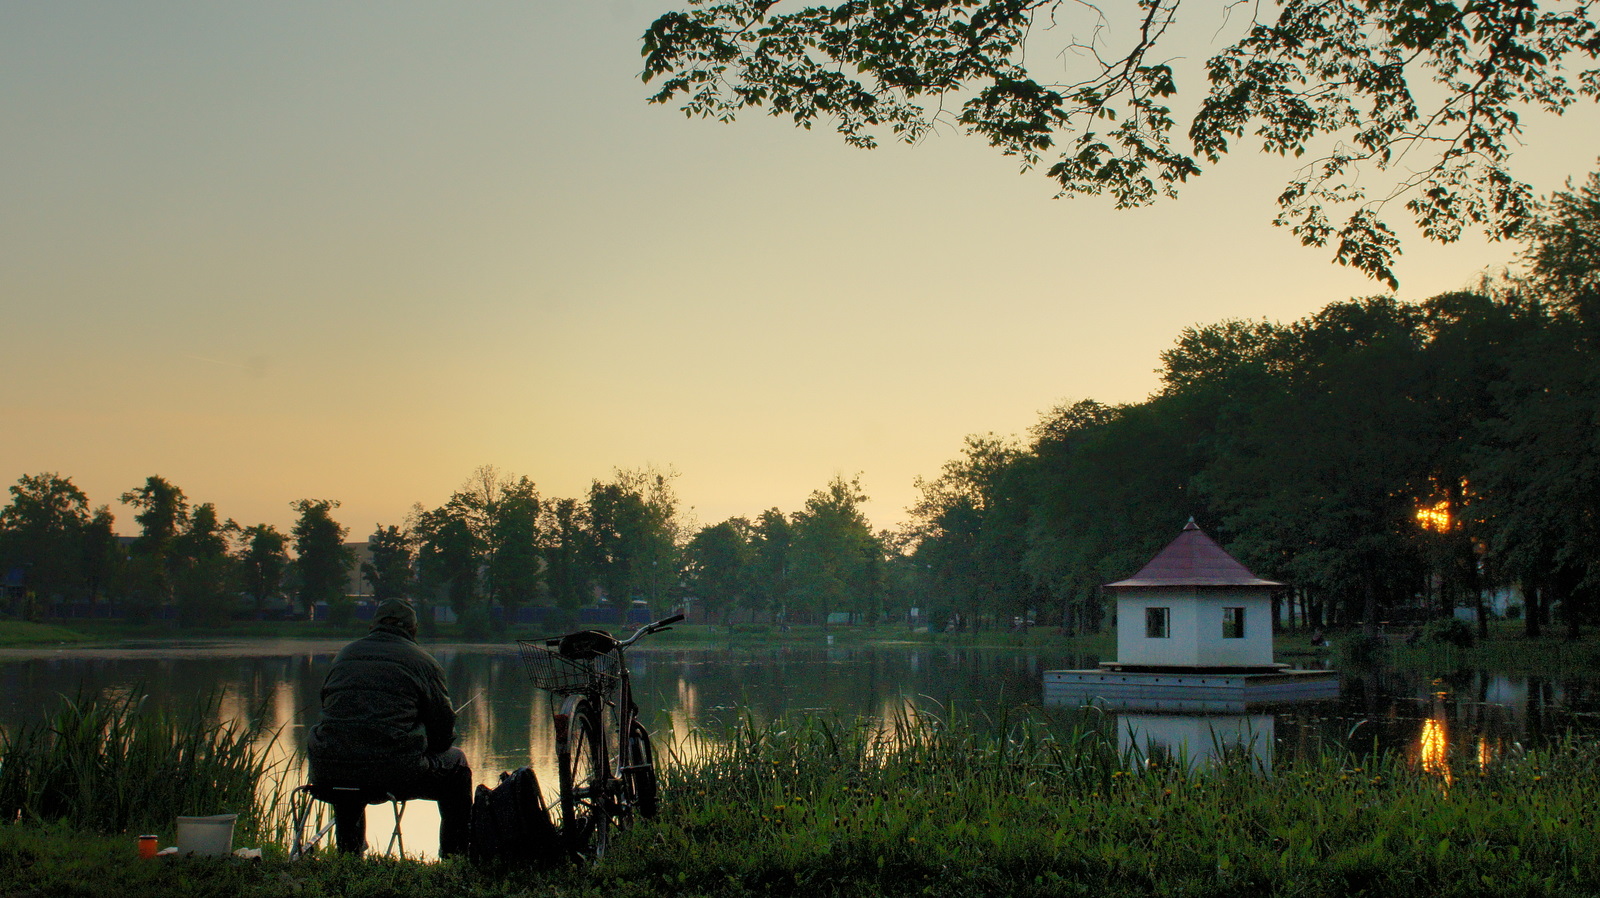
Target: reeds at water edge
118, 764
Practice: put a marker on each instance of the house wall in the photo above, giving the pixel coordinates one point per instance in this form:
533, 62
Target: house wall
1195, 632
1256, 646
1132, 645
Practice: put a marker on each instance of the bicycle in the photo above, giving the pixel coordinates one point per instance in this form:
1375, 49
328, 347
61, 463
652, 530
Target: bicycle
606, 773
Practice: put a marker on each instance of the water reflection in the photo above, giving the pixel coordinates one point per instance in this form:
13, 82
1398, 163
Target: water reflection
506, 723
1197, 740
1433, 749
1439, 725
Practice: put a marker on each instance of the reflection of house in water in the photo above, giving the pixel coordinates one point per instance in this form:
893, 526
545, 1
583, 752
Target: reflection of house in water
1500, 689
1196, 739
1194, 634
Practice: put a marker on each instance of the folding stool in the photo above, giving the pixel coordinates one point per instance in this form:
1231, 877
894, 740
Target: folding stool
304, 798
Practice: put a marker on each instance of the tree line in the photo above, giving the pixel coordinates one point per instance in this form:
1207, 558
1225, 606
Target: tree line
55, 548
1380, 457
496, 543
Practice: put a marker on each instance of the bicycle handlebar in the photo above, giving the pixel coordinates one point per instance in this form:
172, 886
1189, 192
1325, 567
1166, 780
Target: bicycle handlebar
663, 624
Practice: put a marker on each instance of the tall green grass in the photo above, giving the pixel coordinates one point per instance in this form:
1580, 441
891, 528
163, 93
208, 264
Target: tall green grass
909, 749
118, 764
1029, 804
1034, 805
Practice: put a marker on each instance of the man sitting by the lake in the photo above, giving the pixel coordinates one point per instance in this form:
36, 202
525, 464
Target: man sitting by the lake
387, 725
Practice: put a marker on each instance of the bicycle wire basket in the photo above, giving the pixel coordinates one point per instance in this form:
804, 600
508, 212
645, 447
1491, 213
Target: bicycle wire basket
554, 672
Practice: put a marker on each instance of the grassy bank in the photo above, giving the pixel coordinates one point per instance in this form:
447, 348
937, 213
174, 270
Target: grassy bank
26, 633
59, 861
1505, 651
111, 631
1026, 806
1506, 643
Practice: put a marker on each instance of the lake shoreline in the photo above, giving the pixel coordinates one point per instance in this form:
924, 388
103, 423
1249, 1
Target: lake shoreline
189, 647
1506, 649
22, 639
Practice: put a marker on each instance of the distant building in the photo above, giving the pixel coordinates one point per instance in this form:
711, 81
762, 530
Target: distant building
356, 586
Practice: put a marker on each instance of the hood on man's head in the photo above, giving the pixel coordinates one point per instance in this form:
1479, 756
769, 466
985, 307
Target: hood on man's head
397, 611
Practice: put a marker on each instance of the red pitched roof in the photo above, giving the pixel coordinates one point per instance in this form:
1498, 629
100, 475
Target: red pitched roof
1193, 559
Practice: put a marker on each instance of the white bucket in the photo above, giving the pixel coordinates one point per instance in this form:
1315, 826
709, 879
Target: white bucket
206, 835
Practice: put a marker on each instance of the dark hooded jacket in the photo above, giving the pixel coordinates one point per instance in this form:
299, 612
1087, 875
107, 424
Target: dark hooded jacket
384, 708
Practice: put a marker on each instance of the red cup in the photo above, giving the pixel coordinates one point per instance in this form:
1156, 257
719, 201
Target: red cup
147, 847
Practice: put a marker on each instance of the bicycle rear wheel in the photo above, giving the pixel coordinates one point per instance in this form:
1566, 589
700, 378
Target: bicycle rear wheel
640, 779
581, 763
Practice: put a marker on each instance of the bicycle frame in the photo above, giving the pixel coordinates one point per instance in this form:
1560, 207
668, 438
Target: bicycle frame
626, 715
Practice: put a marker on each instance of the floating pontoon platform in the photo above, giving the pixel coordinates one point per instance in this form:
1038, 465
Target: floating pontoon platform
1147, 689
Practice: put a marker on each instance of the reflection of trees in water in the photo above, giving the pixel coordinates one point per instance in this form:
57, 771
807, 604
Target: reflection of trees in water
1473, 713
848, 681
684, 691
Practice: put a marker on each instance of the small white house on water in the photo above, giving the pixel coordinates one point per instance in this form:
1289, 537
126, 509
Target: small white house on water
1194, 632
1194, 606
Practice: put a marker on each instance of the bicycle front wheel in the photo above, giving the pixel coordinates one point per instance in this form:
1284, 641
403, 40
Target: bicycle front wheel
585, 801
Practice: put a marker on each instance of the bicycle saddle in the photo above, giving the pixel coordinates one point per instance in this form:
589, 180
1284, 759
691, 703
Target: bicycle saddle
585, 645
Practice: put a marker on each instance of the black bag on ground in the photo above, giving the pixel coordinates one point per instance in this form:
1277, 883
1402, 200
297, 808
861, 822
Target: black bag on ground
510, 824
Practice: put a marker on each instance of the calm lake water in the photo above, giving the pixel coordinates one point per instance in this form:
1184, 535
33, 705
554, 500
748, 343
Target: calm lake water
507, 725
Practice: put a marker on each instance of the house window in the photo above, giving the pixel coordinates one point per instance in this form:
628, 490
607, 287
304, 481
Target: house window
1156, 622
1233, 623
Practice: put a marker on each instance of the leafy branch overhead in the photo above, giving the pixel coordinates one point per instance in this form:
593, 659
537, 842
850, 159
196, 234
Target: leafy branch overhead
1430, 92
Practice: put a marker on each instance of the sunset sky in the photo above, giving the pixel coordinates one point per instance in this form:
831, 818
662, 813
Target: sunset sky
352, 251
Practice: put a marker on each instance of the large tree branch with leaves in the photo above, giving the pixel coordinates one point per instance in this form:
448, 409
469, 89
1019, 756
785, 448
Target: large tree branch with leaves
1335, 82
